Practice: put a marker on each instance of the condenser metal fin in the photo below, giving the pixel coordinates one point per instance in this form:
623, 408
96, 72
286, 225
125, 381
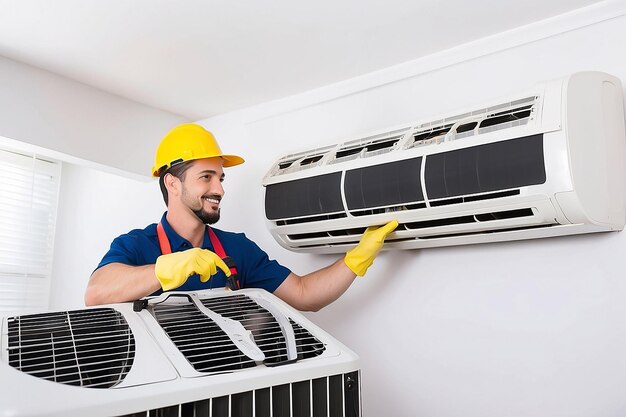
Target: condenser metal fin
241, 337
88, 348
285, 326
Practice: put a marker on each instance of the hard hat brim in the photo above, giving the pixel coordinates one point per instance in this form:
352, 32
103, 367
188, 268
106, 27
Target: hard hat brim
232, 160
229, 161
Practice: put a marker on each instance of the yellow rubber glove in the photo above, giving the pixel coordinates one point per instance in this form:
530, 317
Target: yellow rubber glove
172, 270
362, 257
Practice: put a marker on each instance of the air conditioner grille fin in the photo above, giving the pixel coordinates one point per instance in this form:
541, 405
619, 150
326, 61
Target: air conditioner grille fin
308, 345
264, 327
446, 221
311, 219
504, 116
381, 146
203, 343
91, 348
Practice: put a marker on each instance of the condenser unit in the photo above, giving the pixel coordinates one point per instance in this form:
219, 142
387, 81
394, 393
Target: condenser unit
207, 353
544, 162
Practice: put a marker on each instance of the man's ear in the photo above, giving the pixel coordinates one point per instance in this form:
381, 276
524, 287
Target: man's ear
172, 184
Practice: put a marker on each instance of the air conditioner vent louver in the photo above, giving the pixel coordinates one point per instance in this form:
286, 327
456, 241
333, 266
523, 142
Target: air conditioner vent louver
209, 349
445, 221
308, 346
264, 327
90, 348
311, 219
374, 146
203, 343
504, 116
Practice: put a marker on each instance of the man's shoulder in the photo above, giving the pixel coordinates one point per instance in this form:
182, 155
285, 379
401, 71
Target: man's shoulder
148, 232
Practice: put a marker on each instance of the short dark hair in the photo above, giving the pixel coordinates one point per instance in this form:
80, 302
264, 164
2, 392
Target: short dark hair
178, 170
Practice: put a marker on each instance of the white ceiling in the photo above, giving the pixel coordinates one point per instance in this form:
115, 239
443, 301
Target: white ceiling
199, 58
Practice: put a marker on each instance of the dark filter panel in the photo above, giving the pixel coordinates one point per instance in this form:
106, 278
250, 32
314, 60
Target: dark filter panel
490, 167
305, 197
384, 184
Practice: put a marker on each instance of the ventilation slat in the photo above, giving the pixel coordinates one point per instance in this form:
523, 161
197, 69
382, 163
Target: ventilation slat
266, 331
60, 350
44, 342
91, 348
35, 362
340, 394
188, 328
208, 349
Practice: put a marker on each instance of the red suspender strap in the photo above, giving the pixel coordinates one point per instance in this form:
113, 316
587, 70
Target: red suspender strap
164, 243
217, 246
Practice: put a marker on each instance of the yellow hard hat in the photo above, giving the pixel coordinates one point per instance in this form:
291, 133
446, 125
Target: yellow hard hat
186, 143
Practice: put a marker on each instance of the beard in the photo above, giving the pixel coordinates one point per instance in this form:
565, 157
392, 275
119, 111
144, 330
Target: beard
206, 217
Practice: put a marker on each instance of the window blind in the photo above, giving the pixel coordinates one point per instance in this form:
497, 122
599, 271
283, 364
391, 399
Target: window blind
29, 188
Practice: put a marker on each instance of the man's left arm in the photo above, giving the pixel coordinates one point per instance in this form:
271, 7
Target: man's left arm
316, 290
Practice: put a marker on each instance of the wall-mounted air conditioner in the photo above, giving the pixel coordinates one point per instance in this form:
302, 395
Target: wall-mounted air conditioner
545, 162
207, 353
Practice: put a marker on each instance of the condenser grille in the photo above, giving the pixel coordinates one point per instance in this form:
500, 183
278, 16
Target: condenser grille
308, 345
90, 348
264, 327
331, 396
203, 343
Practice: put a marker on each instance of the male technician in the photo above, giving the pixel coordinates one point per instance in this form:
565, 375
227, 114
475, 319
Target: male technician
183, 253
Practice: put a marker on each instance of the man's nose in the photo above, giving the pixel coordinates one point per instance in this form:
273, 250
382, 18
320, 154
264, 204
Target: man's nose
217, 188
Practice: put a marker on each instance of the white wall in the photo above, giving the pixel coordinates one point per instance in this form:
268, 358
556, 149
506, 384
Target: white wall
94, 208
79, 121
534, 328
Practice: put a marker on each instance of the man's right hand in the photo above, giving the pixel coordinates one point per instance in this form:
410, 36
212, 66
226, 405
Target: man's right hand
172, 270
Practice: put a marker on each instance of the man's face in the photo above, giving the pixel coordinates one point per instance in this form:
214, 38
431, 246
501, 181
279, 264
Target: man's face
202, 189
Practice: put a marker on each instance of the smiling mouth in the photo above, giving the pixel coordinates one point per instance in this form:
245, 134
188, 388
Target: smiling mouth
212, 200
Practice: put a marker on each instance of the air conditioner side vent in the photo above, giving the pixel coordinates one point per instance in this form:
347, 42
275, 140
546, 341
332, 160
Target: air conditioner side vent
203, 343
308, 345
264, 327
424, 224
92, 348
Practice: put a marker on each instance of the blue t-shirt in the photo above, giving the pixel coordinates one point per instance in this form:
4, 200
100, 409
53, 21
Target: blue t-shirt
255, 269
